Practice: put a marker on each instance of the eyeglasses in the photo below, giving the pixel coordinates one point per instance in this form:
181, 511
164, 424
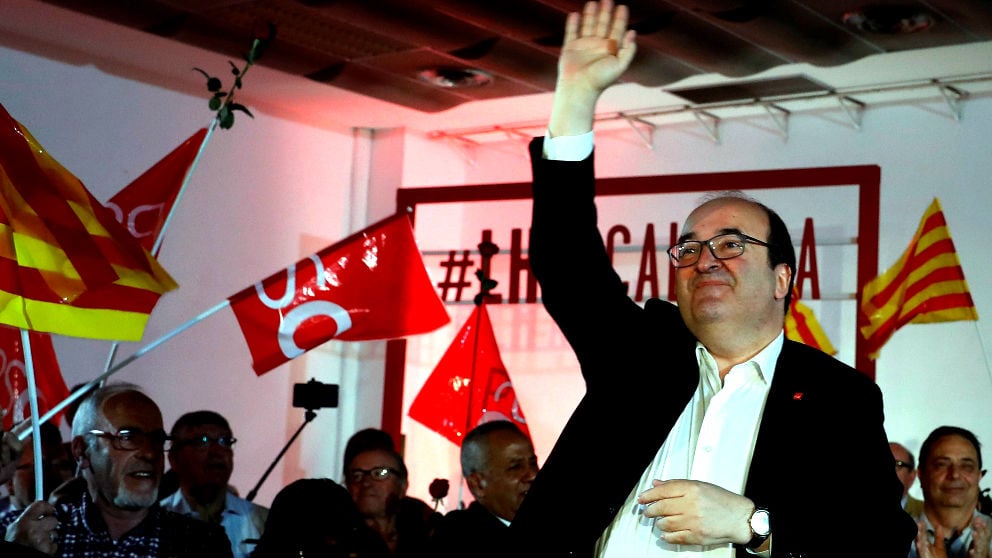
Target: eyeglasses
203, 442
356, 476
903, 465
722, 246
130, 439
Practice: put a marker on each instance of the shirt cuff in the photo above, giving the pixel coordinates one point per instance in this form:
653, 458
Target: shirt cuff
568, 148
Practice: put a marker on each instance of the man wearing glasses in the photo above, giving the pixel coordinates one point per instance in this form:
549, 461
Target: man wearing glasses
906, 471
202, 457
376, 478
700, 424
119, 446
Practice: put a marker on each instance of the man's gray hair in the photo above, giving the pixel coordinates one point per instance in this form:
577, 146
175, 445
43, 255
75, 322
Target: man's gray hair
88, 414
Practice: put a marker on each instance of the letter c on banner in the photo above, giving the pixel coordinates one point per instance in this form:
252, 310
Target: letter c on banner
514, 405
132, 218
292, 320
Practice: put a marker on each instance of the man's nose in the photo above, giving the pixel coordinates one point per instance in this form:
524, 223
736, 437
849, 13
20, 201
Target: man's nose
706, 259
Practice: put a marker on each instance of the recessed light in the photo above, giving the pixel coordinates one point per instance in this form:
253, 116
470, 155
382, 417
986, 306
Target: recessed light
889, 20
451, 77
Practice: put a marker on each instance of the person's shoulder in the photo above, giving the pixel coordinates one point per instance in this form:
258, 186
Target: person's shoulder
172, 502
416, 508
179, 524
242, 505
818, 365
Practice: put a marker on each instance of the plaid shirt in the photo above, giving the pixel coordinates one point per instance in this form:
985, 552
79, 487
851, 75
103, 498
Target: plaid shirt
162, 534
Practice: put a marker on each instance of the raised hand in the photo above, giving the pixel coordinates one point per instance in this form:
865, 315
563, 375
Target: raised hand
597, 49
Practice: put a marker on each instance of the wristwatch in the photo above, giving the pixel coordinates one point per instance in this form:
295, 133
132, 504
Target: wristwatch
761, 527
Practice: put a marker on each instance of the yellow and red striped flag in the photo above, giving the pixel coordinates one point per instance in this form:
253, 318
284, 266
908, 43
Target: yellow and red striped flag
801, 325
926, 285
66, 265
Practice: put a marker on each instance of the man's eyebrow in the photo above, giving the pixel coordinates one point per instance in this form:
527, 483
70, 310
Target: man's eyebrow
692, 236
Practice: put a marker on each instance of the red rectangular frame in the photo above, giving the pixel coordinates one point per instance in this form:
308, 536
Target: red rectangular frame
865, 177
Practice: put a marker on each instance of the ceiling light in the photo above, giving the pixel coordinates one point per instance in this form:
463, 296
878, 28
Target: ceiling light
889, 20
451, 77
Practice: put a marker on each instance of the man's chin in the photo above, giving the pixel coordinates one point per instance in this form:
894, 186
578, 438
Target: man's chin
135, 500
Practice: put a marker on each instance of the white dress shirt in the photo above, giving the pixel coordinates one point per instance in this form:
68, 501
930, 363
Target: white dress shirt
711, 441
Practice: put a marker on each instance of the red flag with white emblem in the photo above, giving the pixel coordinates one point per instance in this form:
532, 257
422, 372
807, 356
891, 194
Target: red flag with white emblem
370, 286
144, 205
14, 401
469, 385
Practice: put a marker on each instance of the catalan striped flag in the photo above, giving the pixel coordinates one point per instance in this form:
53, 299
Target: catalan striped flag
926, 285
66, 265
801, 325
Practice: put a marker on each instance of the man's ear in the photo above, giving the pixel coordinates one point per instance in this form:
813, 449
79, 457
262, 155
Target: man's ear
783, 276
80, 452
476, 484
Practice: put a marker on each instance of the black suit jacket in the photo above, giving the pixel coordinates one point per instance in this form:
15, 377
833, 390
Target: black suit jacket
471, 533
821, 430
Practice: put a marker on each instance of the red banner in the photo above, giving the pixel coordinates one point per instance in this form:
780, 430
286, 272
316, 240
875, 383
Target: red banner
14, 402
370, 286
144, 205
469, 385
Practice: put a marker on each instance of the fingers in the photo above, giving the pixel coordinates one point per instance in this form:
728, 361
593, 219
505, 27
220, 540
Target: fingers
571, 28
598, 19
602, 22
36, 527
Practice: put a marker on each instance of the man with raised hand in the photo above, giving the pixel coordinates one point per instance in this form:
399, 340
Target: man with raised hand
700, 423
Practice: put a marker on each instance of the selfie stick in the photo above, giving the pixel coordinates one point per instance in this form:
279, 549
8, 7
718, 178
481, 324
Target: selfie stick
309, 415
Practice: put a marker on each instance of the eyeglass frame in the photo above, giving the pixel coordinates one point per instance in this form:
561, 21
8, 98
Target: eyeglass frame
204, 441
745, 239
900, 464
371, 473
117, 440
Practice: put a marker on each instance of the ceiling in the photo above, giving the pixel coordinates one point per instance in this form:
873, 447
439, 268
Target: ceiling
382, 48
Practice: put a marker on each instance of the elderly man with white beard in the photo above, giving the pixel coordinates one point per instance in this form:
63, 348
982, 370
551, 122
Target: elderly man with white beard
119, 446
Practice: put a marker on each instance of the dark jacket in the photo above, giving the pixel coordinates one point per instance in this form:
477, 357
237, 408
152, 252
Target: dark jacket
821, 430
471, 533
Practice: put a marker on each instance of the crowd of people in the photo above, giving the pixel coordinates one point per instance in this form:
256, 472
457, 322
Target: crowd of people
695, 436
118, 505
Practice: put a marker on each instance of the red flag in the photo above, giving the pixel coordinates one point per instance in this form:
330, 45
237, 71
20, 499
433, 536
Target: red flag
926, 285
66, 266
14, 402
469, 385
371, 285
801, 325
144, 204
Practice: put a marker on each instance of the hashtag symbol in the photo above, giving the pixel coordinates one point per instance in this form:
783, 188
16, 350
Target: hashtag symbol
451, 263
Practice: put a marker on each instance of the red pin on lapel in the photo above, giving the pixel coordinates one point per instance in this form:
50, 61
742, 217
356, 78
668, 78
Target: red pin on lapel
798, 396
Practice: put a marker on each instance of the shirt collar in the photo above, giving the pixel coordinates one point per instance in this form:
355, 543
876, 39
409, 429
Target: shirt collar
763, 362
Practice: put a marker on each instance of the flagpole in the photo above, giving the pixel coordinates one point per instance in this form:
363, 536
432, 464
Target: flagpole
22, 432
35, 423
487, 250
168, 218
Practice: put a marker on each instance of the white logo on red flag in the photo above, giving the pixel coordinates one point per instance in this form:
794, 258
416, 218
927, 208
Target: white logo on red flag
14, 402
144, 205
370, 286
469, 385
